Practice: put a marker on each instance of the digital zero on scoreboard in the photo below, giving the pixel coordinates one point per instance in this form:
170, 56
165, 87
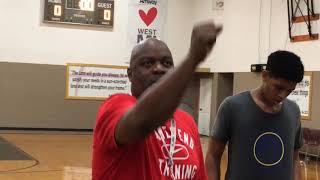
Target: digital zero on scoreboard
82, 12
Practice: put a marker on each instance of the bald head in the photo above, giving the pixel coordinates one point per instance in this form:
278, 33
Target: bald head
149, 61
150, 44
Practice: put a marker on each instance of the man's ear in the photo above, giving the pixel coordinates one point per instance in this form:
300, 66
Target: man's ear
129, 72
265, 75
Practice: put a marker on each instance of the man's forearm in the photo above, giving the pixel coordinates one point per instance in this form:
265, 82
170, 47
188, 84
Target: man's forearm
297, 171
159, 102
156, 105
297, 166
213, 168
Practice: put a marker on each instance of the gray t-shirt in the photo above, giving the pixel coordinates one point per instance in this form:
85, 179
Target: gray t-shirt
260, 145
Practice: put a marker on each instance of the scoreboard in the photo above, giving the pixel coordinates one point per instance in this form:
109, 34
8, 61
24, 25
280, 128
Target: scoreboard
82, 12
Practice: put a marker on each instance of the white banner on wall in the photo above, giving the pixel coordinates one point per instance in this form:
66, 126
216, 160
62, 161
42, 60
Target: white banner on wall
302, 96
147, 18
84, 81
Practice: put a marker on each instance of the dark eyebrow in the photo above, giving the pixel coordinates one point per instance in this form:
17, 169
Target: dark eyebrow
167, 57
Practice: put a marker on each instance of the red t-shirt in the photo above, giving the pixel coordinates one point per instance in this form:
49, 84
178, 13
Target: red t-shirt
146, 159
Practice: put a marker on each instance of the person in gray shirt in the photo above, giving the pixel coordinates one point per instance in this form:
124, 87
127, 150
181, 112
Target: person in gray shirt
261, 127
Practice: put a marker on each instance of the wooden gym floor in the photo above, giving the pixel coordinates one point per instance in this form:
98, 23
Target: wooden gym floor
64, 156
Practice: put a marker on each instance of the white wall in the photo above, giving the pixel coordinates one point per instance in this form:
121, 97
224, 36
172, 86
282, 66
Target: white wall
203, 10
237, 47
180, 23
24, 38
251, 33
308, 51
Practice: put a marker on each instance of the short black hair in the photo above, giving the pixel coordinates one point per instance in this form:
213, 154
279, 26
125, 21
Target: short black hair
285, 65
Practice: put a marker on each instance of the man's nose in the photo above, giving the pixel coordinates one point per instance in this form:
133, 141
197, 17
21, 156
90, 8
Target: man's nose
159, 68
